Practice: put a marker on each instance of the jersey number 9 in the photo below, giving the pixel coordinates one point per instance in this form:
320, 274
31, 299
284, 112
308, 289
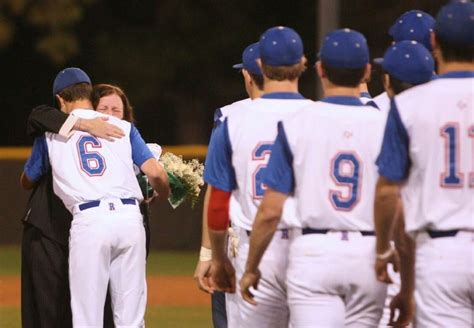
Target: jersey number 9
346, 171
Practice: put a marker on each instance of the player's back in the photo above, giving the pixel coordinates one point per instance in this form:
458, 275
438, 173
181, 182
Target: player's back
86, 168
252, 132
439, 121
221, 113
334, 147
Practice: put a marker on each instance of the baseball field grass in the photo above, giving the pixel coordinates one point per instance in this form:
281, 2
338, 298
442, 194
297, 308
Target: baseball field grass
173, 299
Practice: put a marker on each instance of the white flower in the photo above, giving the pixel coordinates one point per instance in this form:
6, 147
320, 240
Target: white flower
190, 173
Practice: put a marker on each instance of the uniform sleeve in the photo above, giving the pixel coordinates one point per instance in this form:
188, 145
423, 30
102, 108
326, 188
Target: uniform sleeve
140, 151
219, 171
217, 115
279, 174
38, 163
393, 160
45, 119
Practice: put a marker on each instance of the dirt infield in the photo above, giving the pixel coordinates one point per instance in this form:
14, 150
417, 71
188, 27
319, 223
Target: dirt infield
162, 290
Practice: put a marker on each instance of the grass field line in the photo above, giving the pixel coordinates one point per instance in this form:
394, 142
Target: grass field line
162, 290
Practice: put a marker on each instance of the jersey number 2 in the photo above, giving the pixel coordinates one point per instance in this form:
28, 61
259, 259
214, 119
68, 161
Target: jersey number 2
346, 171
260, 153
453, 177
91, 161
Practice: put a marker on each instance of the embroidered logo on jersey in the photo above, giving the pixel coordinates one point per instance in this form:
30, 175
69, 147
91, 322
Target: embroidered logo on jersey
111, 206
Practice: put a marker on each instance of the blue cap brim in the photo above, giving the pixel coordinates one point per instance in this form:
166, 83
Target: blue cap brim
378, 61
238, 66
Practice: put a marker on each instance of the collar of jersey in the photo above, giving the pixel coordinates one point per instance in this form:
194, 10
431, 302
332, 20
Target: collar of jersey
365, 95
283, 95
457, 74
343, 100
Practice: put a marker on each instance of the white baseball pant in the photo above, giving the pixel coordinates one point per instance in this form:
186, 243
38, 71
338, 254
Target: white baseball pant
107, 243
272, 309
444, 283
331, 281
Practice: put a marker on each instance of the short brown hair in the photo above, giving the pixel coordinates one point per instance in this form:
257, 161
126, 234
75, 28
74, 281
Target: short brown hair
454, 52
76, 92
258, 79
344, 77
103, 90
282, 73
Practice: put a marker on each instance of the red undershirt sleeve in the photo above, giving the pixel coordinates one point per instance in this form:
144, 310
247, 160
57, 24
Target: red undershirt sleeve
218, 210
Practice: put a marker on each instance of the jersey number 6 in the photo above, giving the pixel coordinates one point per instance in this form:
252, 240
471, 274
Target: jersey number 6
91, 161
346, 171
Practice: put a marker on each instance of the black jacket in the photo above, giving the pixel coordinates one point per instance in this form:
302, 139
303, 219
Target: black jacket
45, 210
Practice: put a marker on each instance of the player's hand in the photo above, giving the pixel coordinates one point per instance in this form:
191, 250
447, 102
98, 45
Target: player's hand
249, 279
381, 267
222, 276
100, 128
405, 305
201, 276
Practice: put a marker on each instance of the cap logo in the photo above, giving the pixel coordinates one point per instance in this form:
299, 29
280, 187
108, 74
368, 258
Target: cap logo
274, 42
419, 15
400, 21
335, 44
357, 45
407, 56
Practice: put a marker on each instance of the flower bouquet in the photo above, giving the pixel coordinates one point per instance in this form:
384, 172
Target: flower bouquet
185, 178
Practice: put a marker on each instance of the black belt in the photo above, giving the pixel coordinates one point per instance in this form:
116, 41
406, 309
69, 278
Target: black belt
441, 234
95, 203
284, 233
307, 231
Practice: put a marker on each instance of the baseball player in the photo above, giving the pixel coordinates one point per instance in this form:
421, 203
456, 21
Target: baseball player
325, 157
236, 161
427, 154
253, 81
414, 25
96, 182
405, 64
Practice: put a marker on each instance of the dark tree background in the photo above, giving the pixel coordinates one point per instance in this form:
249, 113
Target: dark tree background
172, 57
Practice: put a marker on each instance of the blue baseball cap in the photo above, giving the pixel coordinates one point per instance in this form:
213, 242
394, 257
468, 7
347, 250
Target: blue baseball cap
413, 25
280, 46
344, 48
409, 61
249, 59
455, 23
68, 77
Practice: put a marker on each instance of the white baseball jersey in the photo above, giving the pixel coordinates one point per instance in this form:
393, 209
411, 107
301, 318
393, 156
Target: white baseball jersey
86, 168
240, 148
223, 112
429, 144
383, 102
235, 210
326, 155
